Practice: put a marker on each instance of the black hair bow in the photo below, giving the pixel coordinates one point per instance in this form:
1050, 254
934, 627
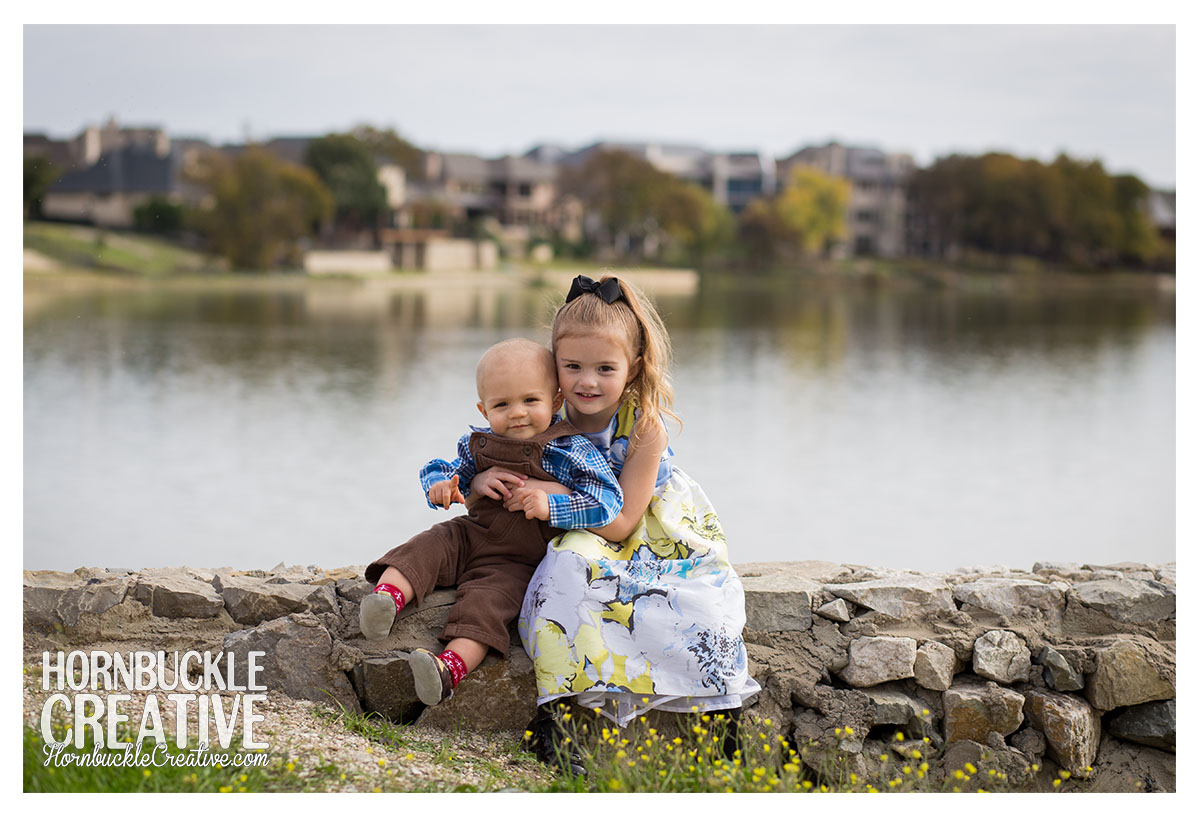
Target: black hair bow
609, 291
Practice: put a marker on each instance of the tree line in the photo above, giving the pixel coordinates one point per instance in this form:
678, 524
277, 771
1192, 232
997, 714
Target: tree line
259, 210
1067, 211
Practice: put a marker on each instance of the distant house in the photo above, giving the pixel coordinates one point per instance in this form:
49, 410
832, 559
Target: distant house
107, 192
107, 172
876, 214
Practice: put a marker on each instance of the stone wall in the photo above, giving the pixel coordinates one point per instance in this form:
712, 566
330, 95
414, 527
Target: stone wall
1062, 667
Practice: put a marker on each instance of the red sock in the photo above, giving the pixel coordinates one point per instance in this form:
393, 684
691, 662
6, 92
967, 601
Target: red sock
458, 669
396, 594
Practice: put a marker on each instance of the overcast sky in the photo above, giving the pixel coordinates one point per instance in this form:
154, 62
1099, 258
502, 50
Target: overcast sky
1106, 92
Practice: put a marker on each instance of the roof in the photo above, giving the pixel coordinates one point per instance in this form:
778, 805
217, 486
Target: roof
128, 170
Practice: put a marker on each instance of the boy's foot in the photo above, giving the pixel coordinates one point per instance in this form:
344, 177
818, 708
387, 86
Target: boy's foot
375, 615
431, 676
551, 744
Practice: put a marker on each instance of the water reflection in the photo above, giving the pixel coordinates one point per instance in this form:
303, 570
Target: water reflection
885, 425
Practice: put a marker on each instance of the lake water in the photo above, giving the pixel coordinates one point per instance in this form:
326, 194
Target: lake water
922, 428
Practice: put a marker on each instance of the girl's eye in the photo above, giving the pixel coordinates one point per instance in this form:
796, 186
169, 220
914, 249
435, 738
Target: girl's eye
607, 368
571, 366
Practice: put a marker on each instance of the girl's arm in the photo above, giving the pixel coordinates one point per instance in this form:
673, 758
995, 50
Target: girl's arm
637, 478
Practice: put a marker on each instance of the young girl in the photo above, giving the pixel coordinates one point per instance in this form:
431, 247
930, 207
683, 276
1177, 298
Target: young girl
645, 613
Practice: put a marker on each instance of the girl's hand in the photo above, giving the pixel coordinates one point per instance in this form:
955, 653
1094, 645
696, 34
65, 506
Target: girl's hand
446, 493
515, 504
535, 503
494, 483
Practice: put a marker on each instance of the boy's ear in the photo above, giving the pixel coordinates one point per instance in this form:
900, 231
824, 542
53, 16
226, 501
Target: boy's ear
558, 401
479, 405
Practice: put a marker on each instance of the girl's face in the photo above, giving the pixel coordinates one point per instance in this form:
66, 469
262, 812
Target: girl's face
593, 370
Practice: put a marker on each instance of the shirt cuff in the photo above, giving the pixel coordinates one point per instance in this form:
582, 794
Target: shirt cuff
560, 510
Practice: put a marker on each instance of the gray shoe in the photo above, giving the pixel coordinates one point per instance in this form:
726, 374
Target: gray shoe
375, 615
431, 676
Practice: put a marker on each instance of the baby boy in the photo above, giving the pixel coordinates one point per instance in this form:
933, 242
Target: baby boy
490, 553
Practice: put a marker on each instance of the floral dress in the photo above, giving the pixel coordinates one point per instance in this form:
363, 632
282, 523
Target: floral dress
654, 621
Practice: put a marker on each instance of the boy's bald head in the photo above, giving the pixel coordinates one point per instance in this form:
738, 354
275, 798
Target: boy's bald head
518, 388
517, 354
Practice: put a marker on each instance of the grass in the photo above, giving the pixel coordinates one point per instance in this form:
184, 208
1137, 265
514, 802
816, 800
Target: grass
683, 757
643, 759
106, 251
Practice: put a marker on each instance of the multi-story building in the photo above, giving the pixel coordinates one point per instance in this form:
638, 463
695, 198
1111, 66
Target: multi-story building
733, 179
876, 215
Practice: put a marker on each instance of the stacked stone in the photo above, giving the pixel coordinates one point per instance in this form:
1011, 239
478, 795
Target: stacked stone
1065, 666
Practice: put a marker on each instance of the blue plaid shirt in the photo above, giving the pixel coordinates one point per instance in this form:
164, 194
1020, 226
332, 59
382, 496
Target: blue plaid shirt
595, 498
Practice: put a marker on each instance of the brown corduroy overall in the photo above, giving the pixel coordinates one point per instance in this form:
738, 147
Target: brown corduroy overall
490, 553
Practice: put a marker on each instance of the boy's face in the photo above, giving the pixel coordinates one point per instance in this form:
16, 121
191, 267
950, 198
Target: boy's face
518, 399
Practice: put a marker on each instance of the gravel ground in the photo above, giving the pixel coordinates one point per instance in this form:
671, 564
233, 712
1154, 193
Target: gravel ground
327, 752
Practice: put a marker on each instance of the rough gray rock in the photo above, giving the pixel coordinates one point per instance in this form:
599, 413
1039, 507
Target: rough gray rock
177, 594
934, 665
500, 695
51, 599
893, 707
1130, 671
1058, 672
1030, 742
836, 610
297, 660
779, 600
385, 685
875, 660
993, 755
1150, 724
900, 596
974, 709
1004, 596
1001, 656
252, 601
1128, 600
819, 571
1071, 727
354, 589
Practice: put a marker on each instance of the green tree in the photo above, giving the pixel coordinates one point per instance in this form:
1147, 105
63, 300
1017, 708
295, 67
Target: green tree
803, 220
639, 206
1067, 211
346, 166
258, 208
40, 173
696, 226
387, 146
158, 215
812, 209
618, 188
1138, 241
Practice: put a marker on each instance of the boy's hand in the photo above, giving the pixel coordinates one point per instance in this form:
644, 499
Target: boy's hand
446, 493
494, 483
534, 502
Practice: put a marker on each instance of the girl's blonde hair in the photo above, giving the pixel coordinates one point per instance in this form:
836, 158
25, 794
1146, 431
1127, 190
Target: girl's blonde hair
635, 319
